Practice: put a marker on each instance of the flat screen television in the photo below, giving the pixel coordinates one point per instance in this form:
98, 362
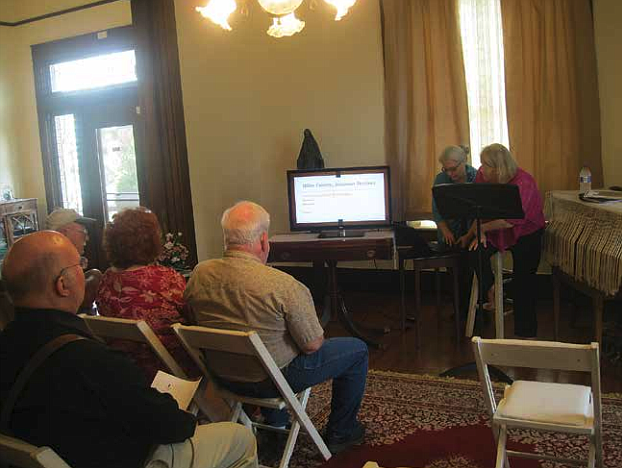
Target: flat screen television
339, 198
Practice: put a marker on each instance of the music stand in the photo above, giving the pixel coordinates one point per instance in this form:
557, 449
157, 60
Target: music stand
477, 202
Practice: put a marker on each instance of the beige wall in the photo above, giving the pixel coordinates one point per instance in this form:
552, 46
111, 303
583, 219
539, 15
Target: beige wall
248, 97
21, 151
9, 170
608, 32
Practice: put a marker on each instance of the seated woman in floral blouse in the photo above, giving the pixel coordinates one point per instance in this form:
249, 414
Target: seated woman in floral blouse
137, 288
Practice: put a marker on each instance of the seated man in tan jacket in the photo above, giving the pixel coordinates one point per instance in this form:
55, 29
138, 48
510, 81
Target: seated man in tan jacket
239, 292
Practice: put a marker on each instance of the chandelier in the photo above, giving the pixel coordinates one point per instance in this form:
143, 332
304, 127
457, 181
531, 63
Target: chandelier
284, 21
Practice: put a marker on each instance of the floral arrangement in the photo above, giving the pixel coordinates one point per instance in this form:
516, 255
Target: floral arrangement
174, 253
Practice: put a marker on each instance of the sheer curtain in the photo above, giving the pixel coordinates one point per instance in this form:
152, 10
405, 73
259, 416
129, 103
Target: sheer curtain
482, 45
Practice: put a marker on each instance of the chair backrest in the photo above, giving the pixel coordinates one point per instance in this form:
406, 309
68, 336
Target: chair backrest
537, 355
227, 343
17, 453
133, 330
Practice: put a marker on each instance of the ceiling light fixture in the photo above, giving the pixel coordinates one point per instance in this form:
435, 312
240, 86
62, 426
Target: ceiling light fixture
284, 21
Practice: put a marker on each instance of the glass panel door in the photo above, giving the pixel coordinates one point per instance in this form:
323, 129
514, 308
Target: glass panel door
117, 158
68, 164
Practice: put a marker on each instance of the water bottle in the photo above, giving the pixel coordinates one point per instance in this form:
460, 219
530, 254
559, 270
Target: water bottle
585, 179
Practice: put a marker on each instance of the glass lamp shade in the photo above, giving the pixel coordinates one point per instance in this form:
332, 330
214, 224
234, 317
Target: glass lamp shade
218, 11
287, 25
280, 7
342, 7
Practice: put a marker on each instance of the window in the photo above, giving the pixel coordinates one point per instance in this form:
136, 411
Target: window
93, 72
118, 168
68, 170
482, 44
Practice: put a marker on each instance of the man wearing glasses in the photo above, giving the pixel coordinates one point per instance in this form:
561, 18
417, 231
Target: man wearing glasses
69, 223
89, 403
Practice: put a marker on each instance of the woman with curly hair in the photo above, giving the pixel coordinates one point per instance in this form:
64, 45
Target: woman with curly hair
136, 287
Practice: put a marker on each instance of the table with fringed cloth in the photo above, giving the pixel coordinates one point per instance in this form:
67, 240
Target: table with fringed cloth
583, 244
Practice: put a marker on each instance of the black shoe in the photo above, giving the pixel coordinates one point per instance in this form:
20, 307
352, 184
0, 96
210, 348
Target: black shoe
339, 444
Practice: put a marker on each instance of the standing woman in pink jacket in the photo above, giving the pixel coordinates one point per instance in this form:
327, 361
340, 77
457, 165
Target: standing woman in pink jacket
522, 237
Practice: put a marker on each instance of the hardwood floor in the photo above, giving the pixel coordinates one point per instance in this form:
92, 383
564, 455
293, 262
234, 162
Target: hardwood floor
438, 350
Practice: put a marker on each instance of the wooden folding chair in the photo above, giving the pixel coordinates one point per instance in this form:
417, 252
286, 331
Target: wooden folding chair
139, 331
108, 328
552, 407
199, 339
19, 454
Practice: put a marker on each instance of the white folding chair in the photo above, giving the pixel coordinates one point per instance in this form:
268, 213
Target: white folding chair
553, 407
139, 331
20, 454
497, 269
249, 344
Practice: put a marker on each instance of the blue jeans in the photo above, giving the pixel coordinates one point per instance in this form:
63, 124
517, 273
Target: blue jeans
342, 359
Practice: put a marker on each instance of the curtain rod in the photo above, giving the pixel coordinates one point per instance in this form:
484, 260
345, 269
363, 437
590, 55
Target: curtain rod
57, 13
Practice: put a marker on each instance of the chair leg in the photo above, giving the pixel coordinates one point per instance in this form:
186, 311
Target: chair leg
598, 447
291, 443
437, 286
591, 457
499, 326
472, 309
303, 419
417, 301
454, 274
598, 302
236, 411
402, 294
501, 454
556, 305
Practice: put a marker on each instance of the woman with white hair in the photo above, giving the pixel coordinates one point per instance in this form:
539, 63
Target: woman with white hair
522, 237
454, 170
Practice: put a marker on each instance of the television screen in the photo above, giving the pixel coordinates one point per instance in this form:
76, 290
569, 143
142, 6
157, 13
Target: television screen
351, 197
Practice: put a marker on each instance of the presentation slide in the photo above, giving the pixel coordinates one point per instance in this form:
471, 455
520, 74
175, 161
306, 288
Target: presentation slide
351, 197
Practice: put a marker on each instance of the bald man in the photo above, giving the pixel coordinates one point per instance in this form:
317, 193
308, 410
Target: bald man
240, 292
87, 402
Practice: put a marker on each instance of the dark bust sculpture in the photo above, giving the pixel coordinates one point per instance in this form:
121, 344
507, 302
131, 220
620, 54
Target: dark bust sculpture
310, 156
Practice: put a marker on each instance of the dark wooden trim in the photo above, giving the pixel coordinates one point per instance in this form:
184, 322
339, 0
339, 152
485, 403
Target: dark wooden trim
57, 13
165, 180
86, 45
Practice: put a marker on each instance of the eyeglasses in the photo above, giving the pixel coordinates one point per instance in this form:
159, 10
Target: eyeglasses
83, 264
451, 169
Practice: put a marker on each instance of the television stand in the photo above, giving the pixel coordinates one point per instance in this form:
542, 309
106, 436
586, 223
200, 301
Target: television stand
340, 233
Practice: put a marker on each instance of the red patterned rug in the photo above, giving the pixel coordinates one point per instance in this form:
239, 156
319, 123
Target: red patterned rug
420, 421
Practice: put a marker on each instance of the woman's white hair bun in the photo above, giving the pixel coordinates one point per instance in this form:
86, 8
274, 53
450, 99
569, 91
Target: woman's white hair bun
465, 148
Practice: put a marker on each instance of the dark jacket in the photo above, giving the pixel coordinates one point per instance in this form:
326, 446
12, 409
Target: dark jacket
89, 403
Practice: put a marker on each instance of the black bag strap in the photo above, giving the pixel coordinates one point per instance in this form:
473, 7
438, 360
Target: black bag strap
31, 366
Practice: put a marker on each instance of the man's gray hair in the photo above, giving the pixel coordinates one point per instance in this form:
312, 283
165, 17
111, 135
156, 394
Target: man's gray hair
454, 153
243, 223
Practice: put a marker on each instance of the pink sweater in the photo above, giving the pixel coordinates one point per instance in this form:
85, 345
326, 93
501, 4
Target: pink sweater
531, 200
